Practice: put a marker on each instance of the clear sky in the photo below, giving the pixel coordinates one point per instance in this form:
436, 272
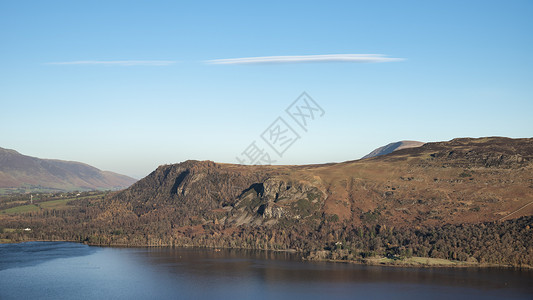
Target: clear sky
129, 85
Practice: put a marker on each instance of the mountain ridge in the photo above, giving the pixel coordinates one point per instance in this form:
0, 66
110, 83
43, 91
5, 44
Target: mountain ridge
447, 171
19, 172
389, 148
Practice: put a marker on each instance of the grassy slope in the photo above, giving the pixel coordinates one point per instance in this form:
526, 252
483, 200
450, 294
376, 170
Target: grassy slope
57, 204
20, 209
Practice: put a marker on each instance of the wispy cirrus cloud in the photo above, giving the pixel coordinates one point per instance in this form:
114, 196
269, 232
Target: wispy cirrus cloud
117, 62
354, 58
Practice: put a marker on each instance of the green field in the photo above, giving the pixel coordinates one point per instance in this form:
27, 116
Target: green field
20, 209
27, 189
56, 204
51, 204
416, 261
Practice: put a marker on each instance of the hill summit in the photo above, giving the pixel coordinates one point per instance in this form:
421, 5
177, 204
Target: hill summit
389, 148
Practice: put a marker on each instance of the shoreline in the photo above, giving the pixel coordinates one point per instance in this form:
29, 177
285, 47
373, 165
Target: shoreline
413, 262
409, 264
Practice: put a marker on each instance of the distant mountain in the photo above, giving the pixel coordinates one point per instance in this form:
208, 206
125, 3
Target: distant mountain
393, 147
22, 173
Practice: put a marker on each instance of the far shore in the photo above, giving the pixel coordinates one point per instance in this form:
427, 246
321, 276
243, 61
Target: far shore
420, 262
412, 262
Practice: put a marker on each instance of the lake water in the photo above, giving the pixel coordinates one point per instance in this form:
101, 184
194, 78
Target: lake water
58, 270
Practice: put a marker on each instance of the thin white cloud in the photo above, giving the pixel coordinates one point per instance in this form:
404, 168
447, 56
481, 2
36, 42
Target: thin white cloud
356, 58
117, 62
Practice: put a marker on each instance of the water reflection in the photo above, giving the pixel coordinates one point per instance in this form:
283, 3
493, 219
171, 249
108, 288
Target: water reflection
73, 271
287, 267
33, 253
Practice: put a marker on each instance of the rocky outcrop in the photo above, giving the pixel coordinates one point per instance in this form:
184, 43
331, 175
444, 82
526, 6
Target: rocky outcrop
275, 199
484, 152
229, 193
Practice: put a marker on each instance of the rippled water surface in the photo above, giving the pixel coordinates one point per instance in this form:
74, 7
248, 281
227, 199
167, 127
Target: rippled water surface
58, 270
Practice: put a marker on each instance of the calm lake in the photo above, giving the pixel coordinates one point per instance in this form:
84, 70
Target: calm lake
59, 270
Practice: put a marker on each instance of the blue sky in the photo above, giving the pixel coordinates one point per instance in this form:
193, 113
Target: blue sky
467, 71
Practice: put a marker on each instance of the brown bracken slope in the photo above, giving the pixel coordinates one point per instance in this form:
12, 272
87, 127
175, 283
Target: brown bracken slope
459, 181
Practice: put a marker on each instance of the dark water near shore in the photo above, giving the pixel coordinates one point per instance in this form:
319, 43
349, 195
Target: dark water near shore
57, 270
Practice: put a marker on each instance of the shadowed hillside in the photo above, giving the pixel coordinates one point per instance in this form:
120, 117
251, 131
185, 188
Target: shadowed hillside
25, 173
389, 148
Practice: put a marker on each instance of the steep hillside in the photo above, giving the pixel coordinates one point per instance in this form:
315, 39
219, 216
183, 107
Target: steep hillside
389, 148
461, 181
25, 173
